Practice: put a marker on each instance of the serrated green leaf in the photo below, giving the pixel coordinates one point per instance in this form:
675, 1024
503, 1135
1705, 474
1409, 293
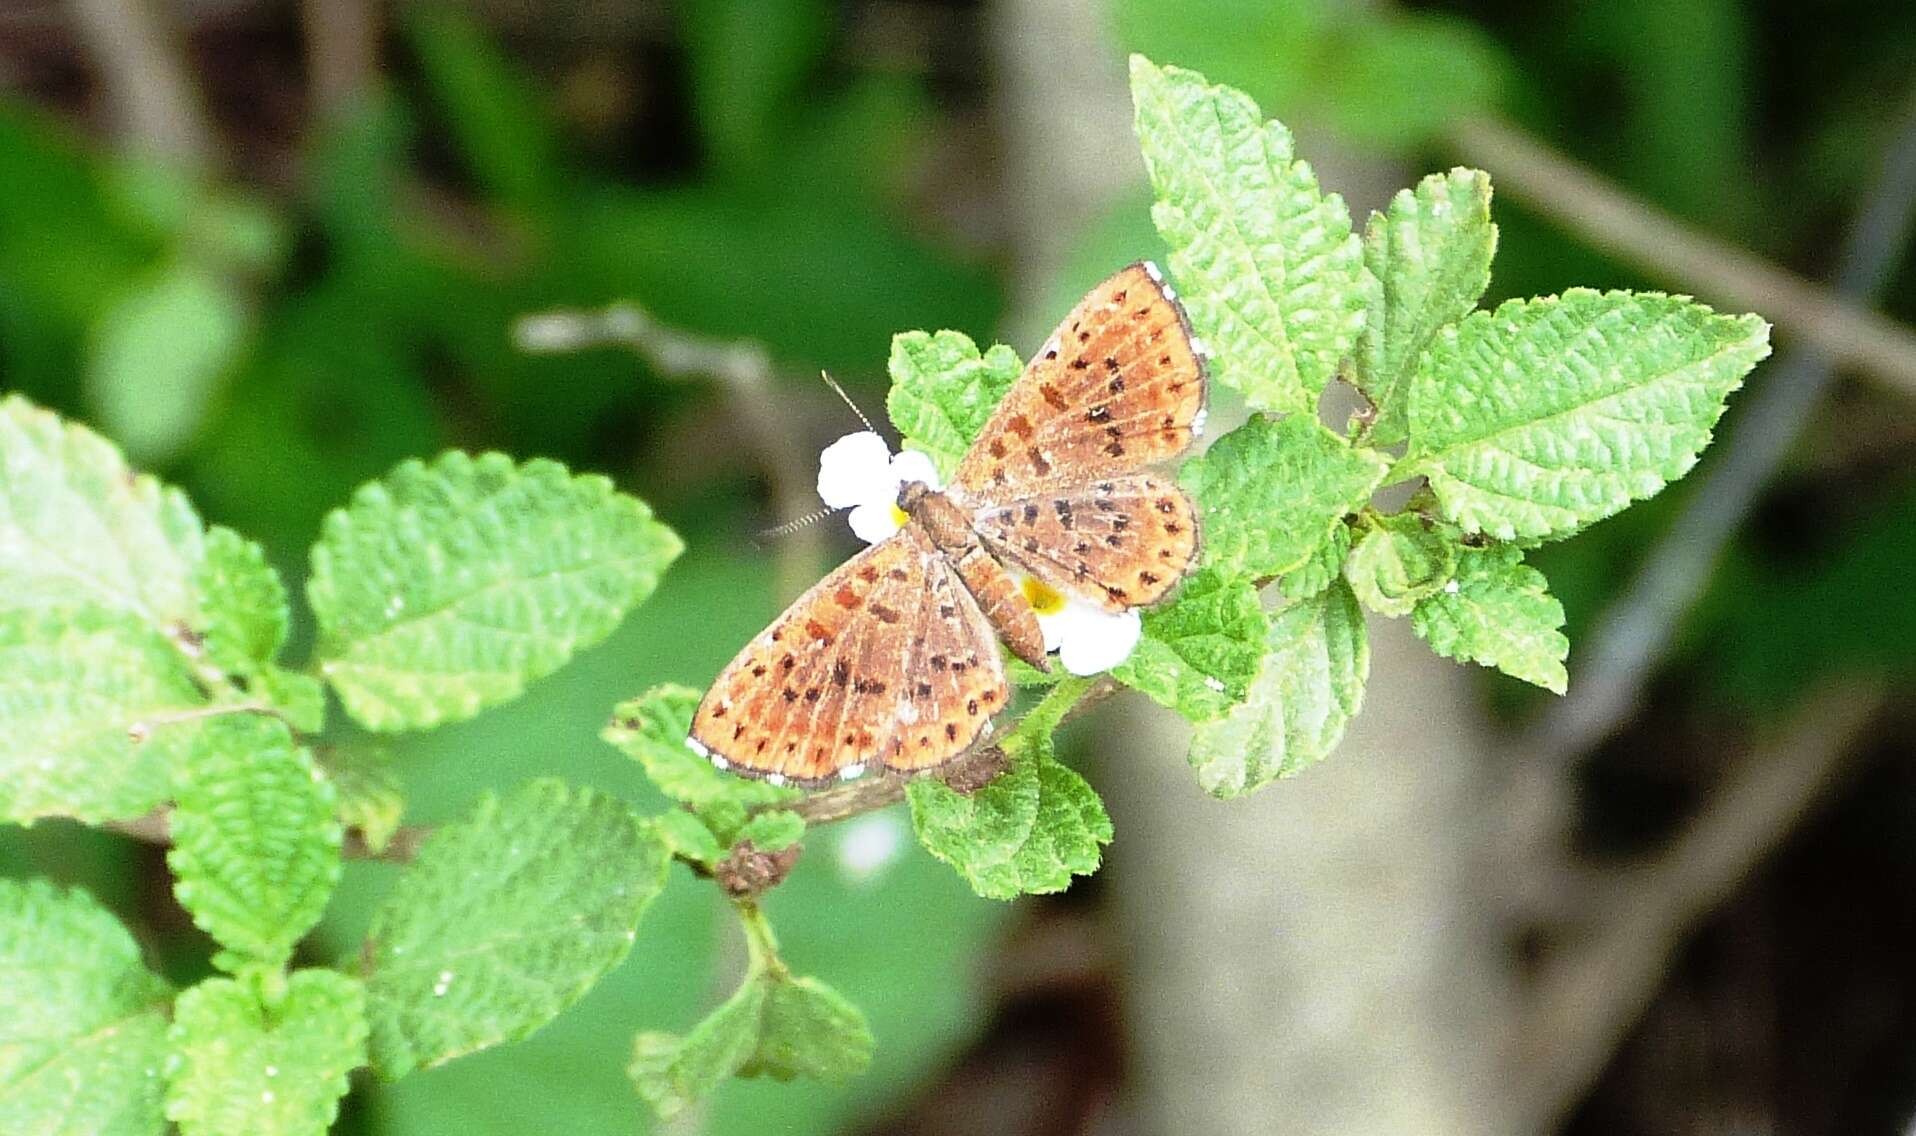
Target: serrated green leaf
773, 830
1268, 266
80, 528
652, 729
275, 1069
84, 1034
299, 698
1310, 688
255, 851
1398, 560
1036, 825
245, 613
672, 1072
1551, 414
504, 920
1429, 260
688, 838
775, 1025
1325, 566
370, 798
1271, 492
85, 695
808, 1029
1498, 612
1200, 652
157, 356
943, 390
446, 588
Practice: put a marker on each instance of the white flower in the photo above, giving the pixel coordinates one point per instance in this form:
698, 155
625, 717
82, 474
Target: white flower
1087, 638
859, 472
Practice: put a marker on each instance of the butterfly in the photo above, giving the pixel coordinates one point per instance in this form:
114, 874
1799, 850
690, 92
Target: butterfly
892, 660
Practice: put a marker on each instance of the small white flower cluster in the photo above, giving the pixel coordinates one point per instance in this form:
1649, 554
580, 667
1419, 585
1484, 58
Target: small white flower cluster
859, 472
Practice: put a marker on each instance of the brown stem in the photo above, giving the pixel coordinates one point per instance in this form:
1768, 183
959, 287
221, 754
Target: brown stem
1638, 233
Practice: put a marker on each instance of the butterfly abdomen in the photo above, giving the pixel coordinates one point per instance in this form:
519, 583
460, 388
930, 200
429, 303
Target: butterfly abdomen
995, 589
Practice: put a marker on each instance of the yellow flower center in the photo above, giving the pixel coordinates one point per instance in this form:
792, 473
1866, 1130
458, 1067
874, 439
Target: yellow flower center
898, 516
1044, 599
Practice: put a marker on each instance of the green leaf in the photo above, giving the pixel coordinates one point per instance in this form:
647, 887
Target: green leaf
1399, 559
505, 920
688, 838
1310, 688
1551, 414
1271, 493
1199, 653
84, 698
371, 799
255, 851
271, 1066
773, 830
84, 1034
1325, 566
652, 729
1429, 260
157, 357
673, 1072
808, 1029
78, 527
245, 612
774, 1025
1268, 265
1031, 829
1498, 612
943, 390
299, 698
446, 588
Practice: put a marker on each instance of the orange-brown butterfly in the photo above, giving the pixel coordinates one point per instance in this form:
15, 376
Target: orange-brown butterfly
891, 660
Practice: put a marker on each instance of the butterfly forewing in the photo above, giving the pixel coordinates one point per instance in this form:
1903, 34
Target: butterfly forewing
1118, 386
830, 685
1119, 542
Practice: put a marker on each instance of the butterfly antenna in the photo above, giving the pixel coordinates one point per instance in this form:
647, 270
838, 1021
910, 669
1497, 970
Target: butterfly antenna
847, 399
793, 526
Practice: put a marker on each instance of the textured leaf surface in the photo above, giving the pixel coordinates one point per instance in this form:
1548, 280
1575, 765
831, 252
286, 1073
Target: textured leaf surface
773, 830
73, 684
245, 612
775, 1025
255, 851
505, 920
239, 1066
1310, 688
1029, 831
1268, 266
1550, 414
1271, 492
83, 1036
942, 390
1317, 573
1199, 653
79, 528
445, 588
370, 796
652, 729
1501, 614
1400, 559
1429, 260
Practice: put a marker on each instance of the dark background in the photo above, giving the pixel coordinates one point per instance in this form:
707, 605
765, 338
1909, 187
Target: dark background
273, 248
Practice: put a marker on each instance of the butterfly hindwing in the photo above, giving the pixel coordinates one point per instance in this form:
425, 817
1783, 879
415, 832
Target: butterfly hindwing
1120, 385
825, 688
1118, 542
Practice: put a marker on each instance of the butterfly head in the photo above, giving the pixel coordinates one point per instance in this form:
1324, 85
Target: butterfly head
910, 494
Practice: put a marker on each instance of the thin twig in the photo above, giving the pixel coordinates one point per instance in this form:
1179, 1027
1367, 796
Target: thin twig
142, 67
742, 368
342, 50
1587, 999
1638, 233
1635, 632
